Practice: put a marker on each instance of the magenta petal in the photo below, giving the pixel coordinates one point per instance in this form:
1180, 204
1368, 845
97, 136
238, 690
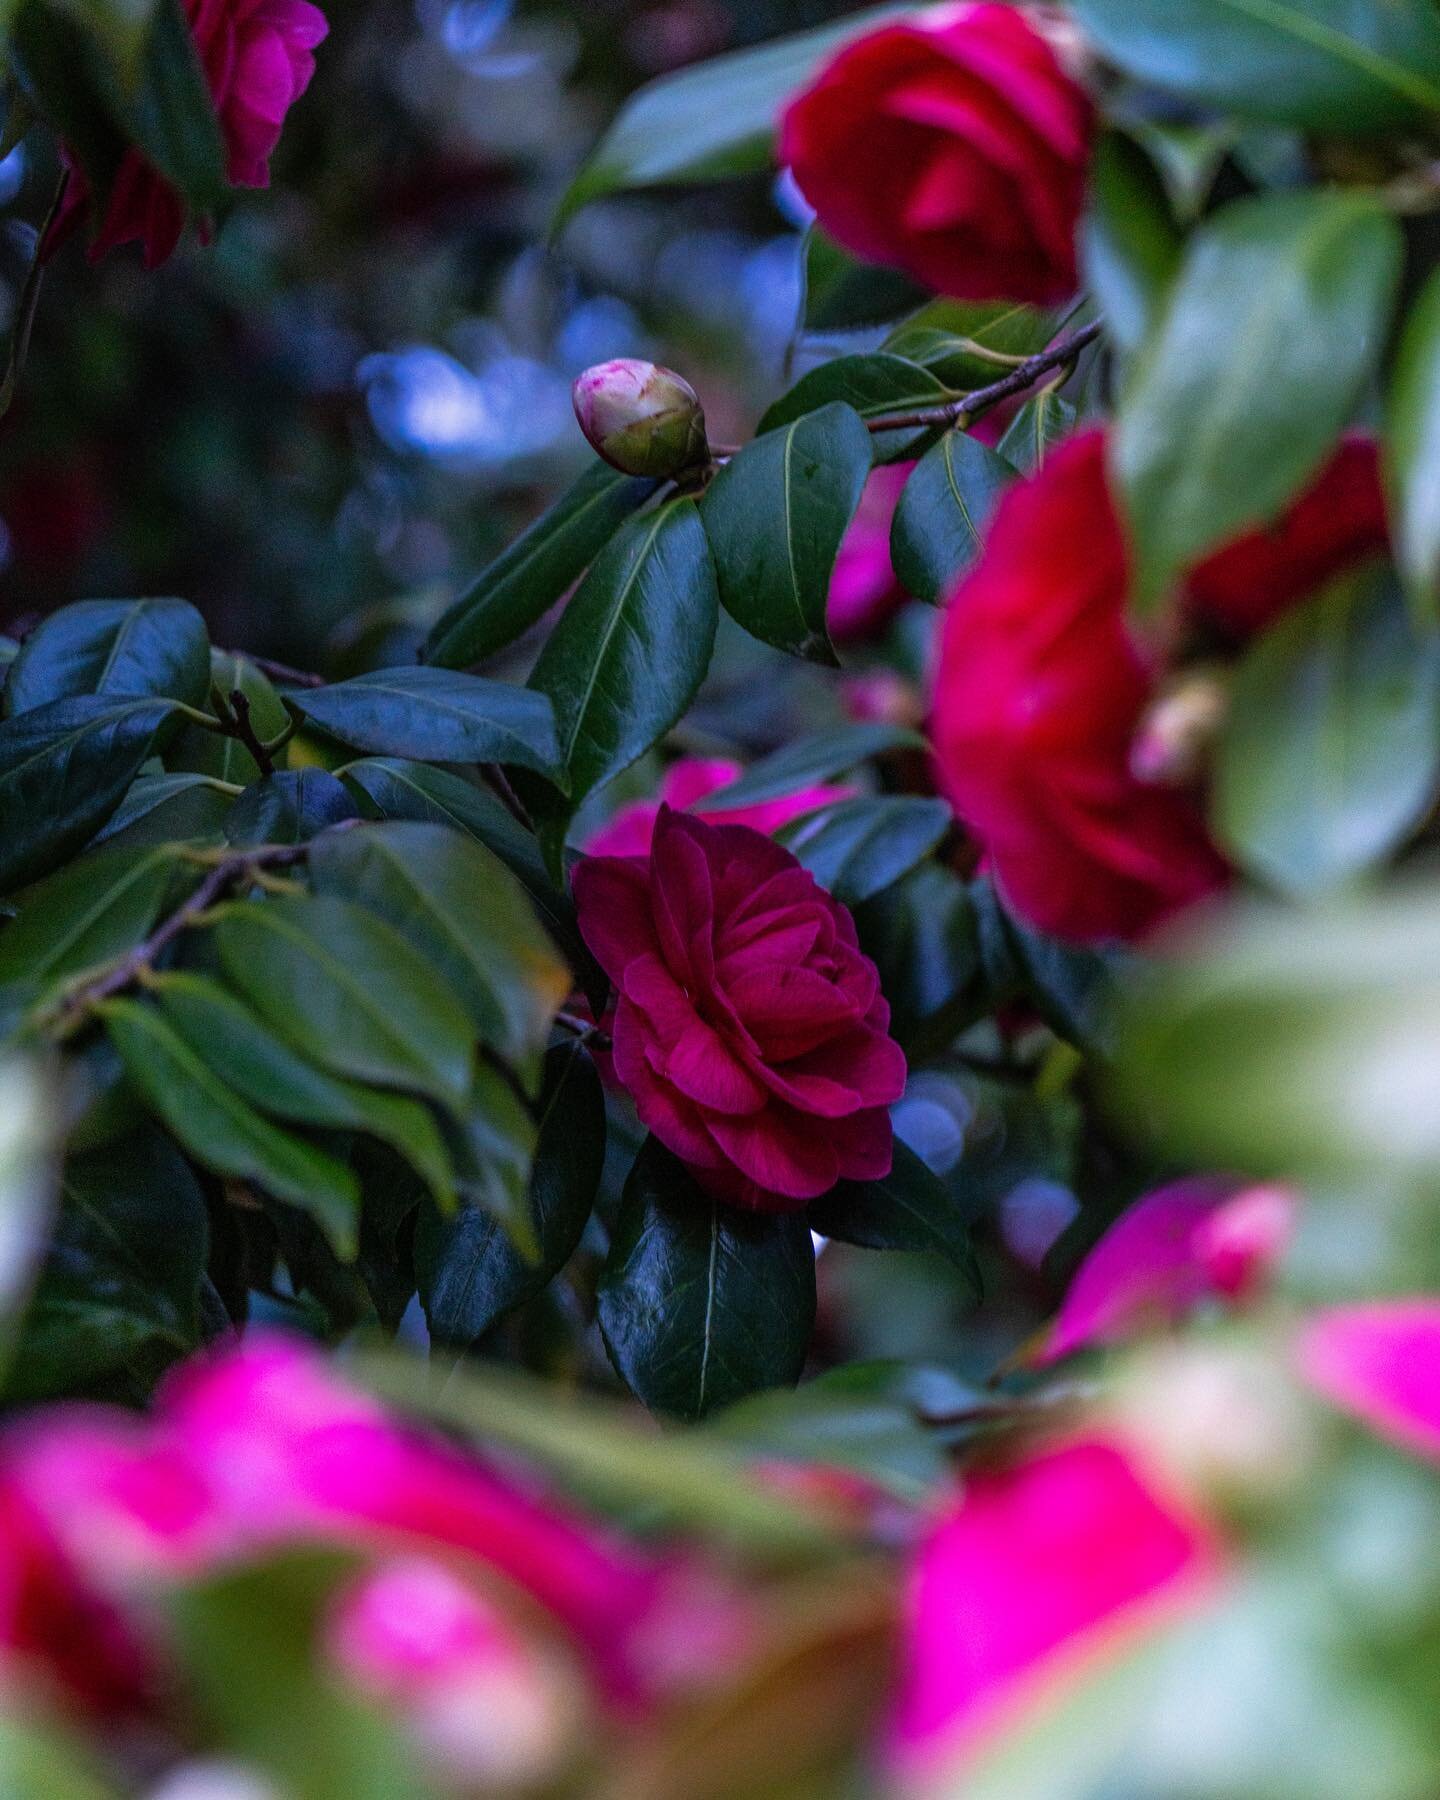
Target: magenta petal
1380, 1362
781, 1151
612, 901
707, 1071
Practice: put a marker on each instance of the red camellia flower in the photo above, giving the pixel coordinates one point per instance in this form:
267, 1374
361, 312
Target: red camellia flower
953, 146
258, 57
1041, 687
750, 1031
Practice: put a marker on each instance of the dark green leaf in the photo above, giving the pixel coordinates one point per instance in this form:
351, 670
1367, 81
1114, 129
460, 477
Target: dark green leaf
437, 714
528, 578
859, 847
170, 809
1045, 420
226, 758
701, 1304
89, 912
130, 649
872, 384
775, 516
1073, 987
842, 293
346, 989
812, 759
493, 1143
169, 114
944, 508
289, 807
911, 1208
463, 910
1303, 284
221, 1130
631, 648
471, 1273
1131, 243
925, 939
1412, 445
1332, 738
1342, 66
64, 768
949, 337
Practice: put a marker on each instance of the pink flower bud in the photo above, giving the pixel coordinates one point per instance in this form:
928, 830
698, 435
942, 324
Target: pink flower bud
644, 420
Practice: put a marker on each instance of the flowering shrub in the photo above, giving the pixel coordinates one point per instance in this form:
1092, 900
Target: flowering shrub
763, 1146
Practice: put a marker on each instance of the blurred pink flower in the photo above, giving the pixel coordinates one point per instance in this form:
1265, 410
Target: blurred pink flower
1176, 1248
1042, 1569
687, 785
1380, 1362
864, 590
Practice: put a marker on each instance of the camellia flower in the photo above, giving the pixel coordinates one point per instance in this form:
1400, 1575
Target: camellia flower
687, 785
1380, 1362
1043, 1568
953, 146
865, 592
1174, 1249
750, 1031
1042, 687
643, 419
258, 58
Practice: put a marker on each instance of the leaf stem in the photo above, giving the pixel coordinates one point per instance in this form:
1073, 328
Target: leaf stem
965, 408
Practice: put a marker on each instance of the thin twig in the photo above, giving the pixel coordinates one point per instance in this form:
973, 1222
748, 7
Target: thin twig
282, 672
245, 733
29, 301
980, 400
585, 1029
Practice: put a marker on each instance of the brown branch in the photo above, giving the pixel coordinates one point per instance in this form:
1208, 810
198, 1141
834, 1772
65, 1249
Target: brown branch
965, 407
245, 733
282, 672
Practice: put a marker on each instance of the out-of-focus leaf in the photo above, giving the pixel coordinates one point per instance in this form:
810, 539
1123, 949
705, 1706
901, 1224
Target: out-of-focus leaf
1130, 241
1332, 738
1303, 283
775, 516
168, 114
871, 384
924, 936
1074, 987
940, 521
130, 649
493, 1144
701, 1304
859, 847
39, 1760
347, 990
89, 912
29, 1132
842, 293
809, 760
169, 809
1412, 446
289, 807
526, 580
909, 1209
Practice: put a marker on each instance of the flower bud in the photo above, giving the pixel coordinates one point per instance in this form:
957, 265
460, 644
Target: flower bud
644, 420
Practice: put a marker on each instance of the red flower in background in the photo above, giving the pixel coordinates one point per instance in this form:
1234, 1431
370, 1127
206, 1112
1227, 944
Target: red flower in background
865, 591
750, 1032
953, 146
258, 57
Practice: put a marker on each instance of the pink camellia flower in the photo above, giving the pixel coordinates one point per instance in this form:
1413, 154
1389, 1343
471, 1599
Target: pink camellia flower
258, 58
865, 592
697, 785
1185, 1244
1380, 1362
750, 1031
1043, 1569
954, 146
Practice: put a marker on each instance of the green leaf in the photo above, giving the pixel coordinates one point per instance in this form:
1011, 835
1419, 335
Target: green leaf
169, 114
911, 1208
123, 26
169, 809
948, 337
133, 649
630, 650
493, 1144
1044, 421
526, 580
1131, 244
1341, 66
43, 1760
463, 910
439, 715
1412, 450
924, 937
1284, 297
226, 758
85, 914
775, 516
1073, 987
940, 521
843, 293
859, 847
872, 385
263, 1070
1332, 738
222, 1131
347, 990
471, 1273
810, 760
290, 807
701, 1304
710, 122
122, 1275
64, 768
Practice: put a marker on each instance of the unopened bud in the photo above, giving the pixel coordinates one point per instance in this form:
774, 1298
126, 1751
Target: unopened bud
644, 420
1172, 745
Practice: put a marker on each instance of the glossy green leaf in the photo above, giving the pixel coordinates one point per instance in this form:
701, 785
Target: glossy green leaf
630, 650
911, 1208
1046, 419
1074, 987
132, 649
463, 910
940, 520
701, 1304
493, 1144
859, 847
1412, 450
1331, 747
263, 1070
223, 1131
523, 582
94, 910
872, 385
289, 807
843, 293
1303, 283
347, 990
924, 936
1341, 66
471, 1273
226, 758
170, 809
775, 516
706, 123
964, 342
169, 113
1131, 245
810, 760
440, 715
64, 768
